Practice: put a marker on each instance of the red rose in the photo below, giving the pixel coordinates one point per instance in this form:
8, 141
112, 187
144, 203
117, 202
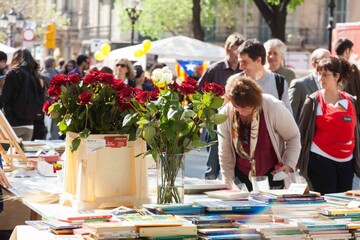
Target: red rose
74, 78
58, 80
153, 95
46, 106
84, 98
54, 91
90, 78
126, 93
174, 86
118, 84
188, 88
214, 88
142, 97
106, 78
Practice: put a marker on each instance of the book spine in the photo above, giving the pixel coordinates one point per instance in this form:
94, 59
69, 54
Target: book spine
88, 217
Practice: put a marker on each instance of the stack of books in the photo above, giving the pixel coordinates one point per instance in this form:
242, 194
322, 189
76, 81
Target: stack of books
176, 209
110, 230
60, 228
228, 194
216, 226
318, 228
282, 197
245, 207
275, 230
341, 199
162, 226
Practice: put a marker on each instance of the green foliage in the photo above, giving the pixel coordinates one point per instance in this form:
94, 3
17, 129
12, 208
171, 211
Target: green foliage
159, 16
37, 11
172, 122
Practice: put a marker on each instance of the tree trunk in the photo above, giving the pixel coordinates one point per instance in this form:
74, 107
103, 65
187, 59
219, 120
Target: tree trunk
275, 16
196, 22
278, 23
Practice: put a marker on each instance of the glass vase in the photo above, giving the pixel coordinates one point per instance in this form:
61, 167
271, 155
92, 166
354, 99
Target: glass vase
170, 178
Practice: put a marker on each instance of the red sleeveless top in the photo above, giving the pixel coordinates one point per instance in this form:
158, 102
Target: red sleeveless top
335, 129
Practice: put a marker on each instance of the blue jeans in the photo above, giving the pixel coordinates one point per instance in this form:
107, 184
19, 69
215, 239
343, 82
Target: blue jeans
213, 166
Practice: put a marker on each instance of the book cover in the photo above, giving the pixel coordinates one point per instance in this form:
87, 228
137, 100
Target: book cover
187, 229
89, 216
56, 224
101, 227
248, 206
232, 236
228, 194
38, 224
209, 219
153, 220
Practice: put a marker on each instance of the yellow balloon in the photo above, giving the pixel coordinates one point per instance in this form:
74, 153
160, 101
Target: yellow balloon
99, 56
105, 48
139, 53
146, 45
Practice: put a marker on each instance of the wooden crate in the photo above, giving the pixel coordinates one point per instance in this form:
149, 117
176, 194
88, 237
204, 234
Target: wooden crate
105, 177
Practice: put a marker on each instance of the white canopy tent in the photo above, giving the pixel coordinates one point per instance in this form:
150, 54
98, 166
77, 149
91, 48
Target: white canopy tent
178, 47
8, 50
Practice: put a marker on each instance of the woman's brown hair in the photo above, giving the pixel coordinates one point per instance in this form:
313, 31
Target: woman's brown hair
242, 91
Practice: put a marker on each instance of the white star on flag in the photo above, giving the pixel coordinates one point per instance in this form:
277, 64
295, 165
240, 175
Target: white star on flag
190, 67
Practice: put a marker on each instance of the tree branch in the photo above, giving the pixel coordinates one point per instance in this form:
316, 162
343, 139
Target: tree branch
265, 9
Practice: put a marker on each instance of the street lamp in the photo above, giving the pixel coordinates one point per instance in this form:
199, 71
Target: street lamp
331, 21
133, 8
10, 22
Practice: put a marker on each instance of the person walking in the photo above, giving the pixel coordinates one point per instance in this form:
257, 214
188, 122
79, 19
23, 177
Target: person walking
218, 73
22, 94
300, 88
275, 57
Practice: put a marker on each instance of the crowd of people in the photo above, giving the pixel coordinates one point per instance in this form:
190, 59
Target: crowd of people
276, 123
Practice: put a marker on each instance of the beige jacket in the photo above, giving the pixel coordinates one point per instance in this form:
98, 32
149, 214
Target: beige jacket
283, 131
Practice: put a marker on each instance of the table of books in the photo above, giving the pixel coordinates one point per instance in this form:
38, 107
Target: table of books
264, 215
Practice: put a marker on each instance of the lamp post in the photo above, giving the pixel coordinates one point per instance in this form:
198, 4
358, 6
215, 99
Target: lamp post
133, 8
11, 22
331, 21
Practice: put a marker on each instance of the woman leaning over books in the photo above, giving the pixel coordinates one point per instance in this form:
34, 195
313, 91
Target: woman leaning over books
329, 134
260, 136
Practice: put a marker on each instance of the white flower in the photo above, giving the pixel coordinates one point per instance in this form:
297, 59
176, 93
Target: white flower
161, 76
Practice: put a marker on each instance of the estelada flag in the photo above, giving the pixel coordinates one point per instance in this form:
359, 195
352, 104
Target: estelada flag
184, 68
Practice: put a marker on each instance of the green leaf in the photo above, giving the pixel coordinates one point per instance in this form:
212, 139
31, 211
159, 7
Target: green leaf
129, 119
62, 126
142, 121
75, 144
148, 133
218, 118
179, 126
84, 133
217, 102
173, 113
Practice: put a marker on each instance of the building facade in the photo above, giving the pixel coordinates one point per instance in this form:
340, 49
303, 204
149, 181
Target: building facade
306, 27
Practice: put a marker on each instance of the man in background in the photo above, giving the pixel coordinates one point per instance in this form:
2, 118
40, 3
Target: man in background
218, 73
302, 87
82, 64
343, 49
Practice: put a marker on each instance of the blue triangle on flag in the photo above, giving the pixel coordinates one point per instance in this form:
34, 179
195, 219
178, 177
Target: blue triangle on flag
189, 66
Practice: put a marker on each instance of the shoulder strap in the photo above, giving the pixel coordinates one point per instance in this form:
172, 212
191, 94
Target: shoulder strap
280, 81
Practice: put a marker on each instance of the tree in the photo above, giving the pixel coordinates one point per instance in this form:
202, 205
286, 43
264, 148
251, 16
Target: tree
38, 12
274, 12
173, 16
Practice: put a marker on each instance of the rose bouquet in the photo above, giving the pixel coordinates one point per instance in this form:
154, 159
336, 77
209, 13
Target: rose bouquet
170, 118
94, 104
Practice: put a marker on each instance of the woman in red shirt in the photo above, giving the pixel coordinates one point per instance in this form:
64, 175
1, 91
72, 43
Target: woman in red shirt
328, 135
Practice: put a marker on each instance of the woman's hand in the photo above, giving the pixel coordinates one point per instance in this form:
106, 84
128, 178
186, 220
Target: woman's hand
285, 169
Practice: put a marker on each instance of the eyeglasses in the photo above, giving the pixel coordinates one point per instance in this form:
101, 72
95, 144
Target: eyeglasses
324, 74
122, 65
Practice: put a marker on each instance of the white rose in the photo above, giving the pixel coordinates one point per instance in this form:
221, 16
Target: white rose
167, 77
156, 75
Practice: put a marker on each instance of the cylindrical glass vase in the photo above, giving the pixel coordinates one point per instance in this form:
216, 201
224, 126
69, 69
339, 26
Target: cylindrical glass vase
170, 178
